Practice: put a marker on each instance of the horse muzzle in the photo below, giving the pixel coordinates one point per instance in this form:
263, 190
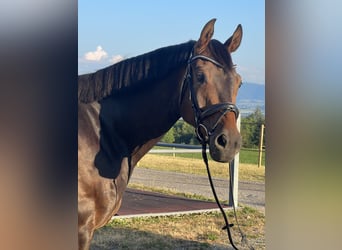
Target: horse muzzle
223, 137
224, 145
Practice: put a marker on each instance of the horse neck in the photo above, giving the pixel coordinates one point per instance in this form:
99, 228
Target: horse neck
159, 108
143, 117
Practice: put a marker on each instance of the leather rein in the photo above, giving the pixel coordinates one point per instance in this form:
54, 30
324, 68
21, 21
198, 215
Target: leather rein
203, 134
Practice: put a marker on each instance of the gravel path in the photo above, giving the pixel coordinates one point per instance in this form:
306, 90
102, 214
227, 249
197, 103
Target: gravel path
250, 193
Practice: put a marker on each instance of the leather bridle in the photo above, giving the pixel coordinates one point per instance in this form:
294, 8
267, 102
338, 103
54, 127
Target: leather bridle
200, 114
203, 134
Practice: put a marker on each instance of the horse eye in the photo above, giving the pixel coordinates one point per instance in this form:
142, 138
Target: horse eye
200, 77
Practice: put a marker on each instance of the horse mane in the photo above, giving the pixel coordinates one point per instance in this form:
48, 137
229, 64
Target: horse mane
145, 68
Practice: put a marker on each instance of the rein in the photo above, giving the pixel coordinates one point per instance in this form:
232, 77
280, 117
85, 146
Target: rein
203, 134
227, 225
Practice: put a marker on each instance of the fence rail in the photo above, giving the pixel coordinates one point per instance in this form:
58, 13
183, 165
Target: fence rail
175, 151
178, 145
176, 148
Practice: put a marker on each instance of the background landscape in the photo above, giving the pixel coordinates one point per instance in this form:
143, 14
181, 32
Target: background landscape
250, 97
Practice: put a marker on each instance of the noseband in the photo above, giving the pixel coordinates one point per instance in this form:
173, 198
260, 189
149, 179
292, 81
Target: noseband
202, 132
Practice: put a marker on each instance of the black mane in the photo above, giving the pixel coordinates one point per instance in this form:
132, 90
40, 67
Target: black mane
144, 68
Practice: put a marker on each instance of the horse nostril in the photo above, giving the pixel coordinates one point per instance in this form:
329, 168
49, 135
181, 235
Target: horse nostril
222, 141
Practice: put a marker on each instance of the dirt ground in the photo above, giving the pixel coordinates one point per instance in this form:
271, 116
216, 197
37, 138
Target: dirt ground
250, 193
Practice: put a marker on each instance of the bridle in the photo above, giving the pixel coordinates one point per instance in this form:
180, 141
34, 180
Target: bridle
202, 132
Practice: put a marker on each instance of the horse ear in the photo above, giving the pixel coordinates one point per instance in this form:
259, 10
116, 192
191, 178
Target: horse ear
234, 41
206, 35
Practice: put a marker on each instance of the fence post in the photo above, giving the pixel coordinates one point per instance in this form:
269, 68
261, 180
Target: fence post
261, 143
234, 174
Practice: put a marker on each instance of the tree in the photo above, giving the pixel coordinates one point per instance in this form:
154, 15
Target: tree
181, 132
169, 137
250, 128
184, 133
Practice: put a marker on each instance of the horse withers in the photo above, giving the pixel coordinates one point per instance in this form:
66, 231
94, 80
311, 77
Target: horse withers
124, 110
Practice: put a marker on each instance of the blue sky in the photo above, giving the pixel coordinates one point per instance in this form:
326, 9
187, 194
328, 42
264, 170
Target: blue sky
110, 30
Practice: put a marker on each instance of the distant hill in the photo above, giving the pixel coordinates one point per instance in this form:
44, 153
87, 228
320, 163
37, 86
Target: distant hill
251, 96
251, 91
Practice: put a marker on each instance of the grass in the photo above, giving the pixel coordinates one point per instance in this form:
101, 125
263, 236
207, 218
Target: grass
247, 155
192, 231
247, 172
251, 156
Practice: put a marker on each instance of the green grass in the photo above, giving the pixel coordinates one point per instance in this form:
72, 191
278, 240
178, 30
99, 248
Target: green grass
251, 156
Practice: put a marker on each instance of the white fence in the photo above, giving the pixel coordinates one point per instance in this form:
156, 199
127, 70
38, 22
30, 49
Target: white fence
175, 148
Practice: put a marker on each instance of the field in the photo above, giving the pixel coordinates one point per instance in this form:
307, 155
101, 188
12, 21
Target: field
195, 231
248, 156
195, 165
251, 156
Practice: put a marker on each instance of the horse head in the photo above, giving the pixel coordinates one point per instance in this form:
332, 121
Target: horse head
212, 85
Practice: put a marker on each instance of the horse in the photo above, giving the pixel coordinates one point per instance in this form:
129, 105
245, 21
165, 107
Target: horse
126, 108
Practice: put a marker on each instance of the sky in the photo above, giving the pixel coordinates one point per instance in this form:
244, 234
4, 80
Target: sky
112, 30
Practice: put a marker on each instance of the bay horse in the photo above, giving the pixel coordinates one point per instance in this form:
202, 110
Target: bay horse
125, 109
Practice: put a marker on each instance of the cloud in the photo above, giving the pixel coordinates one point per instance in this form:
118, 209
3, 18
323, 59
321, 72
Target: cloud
96, 55
116, 58
96, 60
